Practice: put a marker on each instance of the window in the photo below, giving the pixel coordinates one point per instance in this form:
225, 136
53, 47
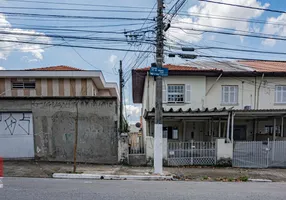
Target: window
23, 85
280, 94
176, 93
172, 133
230, 94
268, 129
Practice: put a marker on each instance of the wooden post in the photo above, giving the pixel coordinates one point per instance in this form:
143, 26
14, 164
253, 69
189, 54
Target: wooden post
75, 139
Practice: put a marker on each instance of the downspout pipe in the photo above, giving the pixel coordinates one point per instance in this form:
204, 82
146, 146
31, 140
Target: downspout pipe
258, 91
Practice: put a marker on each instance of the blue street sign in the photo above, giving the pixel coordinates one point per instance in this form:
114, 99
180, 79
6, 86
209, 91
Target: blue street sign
156, 71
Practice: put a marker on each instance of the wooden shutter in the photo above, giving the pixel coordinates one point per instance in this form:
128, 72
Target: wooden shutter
164, 94
188, 93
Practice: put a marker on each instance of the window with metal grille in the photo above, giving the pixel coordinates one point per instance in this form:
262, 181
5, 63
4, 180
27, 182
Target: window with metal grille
280, 94
229, 94
176, 93
23, 85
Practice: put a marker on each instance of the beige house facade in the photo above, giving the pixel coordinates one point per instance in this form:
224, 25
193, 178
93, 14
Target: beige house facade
58, 81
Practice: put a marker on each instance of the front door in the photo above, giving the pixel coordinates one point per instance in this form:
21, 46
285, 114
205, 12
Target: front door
239, 133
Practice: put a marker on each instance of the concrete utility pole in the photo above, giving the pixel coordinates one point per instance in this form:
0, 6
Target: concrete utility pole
121, 98
158, 153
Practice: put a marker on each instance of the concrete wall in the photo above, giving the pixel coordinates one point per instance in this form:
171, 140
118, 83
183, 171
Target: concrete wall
54, 127
223, 149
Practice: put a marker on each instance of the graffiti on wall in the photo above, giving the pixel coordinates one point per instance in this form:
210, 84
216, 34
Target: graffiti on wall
15, 123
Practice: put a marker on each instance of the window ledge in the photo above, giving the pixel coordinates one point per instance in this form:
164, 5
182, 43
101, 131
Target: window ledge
225, 104
175, 104
278, 104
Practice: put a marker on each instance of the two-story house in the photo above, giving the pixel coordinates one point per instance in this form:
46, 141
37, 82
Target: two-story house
43, 110
239, 101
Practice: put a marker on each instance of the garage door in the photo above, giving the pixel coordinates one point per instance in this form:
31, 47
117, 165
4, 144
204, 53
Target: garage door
16, 135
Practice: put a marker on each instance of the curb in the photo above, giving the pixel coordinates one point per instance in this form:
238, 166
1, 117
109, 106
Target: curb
110, 177
259, 180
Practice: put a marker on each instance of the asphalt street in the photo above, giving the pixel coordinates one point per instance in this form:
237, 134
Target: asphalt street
54, 189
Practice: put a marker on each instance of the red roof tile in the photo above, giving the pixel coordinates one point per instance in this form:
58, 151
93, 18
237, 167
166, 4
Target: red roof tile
266, 66
173, 68
56, 68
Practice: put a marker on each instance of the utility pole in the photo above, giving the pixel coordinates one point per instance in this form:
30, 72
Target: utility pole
121, 98
158, 152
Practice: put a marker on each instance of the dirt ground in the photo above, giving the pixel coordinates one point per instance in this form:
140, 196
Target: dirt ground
46, 169
213, 173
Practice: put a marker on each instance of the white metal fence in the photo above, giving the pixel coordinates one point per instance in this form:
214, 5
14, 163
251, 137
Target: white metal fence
191, 153
259, 154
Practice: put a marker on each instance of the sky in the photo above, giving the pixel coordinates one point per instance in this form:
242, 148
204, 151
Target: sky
194, 15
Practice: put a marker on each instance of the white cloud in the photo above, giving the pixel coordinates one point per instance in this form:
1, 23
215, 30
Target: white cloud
133, 113
112, 59
2, 68
28, 60
7, 47
209, 11
132, 110
274, 26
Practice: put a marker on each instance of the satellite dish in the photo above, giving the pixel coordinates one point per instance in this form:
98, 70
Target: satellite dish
138, 124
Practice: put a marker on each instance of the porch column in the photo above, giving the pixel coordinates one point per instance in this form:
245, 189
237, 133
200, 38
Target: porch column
227, 129
282, 126
232, 123
184, 130
274, 138
274, 129
219, 128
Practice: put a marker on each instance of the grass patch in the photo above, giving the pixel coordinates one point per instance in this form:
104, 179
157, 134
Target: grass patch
230, 179
243, 178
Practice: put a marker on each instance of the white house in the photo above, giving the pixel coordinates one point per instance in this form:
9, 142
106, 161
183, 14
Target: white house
239, 101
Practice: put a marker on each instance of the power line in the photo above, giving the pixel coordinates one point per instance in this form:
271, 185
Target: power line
142, 26
74, 9
228, 18
73, 37
242, 50
72, 30
72, 17
77, 26
227, 33
242, 6
192, 56
77, 4
76, 46
229, 29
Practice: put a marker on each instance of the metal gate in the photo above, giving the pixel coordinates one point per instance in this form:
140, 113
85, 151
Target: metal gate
259, 154
191, 153
16, 135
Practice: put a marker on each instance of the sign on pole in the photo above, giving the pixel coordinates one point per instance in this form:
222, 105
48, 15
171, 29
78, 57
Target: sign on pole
156, 71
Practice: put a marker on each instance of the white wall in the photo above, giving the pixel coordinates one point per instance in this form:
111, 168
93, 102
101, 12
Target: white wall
198, 88
246, 92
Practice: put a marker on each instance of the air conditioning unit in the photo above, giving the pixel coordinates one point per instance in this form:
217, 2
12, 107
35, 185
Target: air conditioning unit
247, 107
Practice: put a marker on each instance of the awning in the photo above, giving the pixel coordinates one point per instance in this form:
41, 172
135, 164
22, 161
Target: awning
213, 112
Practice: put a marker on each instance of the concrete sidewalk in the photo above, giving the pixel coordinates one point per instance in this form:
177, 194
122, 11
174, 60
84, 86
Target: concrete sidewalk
47, 169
